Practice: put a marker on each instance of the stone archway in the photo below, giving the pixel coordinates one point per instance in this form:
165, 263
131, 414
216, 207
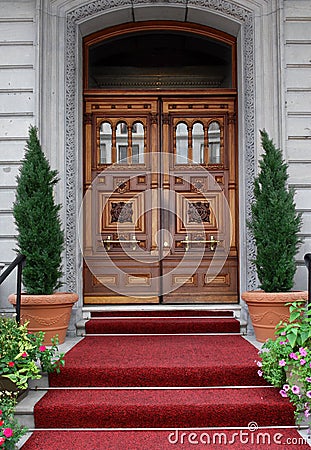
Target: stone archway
76, 20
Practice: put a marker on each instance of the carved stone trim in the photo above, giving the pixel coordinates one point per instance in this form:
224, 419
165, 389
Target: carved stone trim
223, 7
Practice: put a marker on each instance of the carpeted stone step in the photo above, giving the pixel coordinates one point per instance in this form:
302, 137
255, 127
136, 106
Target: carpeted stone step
153, 380
164, 312
273, 439
178, 408
161, 324
192, 360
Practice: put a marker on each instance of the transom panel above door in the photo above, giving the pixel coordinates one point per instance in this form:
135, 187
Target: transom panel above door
159, 209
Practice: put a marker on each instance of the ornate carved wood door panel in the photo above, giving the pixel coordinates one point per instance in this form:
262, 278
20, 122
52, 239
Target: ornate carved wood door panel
159, 210
200, 188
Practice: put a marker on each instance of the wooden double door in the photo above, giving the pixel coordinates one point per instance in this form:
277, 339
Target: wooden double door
160, 204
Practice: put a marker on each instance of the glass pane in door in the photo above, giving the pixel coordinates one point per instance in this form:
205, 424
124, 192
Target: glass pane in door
181, 143
122, 142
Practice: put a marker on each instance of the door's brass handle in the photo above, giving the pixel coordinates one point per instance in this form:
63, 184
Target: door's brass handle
212, 241
108, 241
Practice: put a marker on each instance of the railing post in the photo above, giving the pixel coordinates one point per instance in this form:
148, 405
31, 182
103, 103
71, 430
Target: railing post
307, 259
19, 261
19, 292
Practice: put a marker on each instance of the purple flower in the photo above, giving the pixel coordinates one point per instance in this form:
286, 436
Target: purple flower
263, 350
259, 363
308, 379
282, 342
283, 393
293, 355
260, 373
283, 333
309, 394
286, 387
302, 351
295, 389
282, 363
307, 413
302, 362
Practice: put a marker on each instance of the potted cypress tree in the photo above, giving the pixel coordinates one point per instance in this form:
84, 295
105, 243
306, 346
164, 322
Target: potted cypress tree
41, 239
275, 225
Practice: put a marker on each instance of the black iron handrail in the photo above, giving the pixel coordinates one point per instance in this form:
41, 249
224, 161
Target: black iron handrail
307, 259
18, 262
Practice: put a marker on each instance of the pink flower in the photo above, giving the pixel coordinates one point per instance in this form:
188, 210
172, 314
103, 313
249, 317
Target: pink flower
282, 363
307, 413
259, 363
302, 362
260, 373
2, 440
8, 432
302, 351
0, 412
308, 379
283, 333
286, 387
309, 394
42, 348
293, 355
11, 364
295, 389
282, 342
1, 423
24, 355
283, 393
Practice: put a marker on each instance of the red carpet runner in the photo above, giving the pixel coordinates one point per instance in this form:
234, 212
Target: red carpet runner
138, 377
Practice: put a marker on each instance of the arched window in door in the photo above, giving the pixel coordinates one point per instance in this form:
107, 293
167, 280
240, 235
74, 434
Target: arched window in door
214, 154
138, 143
105, 143
122, 143
198, 153
181, 136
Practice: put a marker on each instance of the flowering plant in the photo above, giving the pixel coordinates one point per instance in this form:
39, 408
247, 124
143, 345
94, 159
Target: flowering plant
10, 430
23, 355
286, 361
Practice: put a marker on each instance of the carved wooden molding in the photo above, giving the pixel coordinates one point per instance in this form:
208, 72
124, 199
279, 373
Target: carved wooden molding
199, 212
121, 212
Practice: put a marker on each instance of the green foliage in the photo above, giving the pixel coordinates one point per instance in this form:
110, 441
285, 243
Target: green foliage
274, 223
298, 328
23, 355
10, 430
286, 361
40, 236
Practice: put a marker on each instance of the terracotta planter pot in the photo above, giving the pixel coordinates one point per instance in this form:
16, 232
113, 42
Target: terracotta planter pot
267, 309
48, 313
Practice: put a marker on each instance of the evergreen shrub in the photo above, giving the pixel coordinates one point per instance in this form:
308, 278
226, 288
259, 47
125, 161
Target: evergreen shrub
275, 224
40, 235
